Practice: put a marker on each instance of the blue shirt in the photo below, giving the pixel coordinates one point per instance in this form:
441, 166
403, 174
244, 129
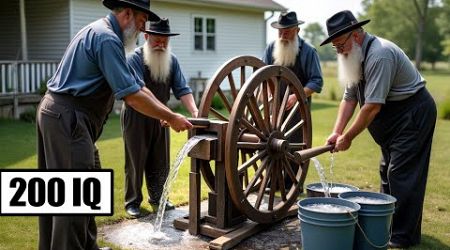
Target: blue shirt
96, 54
307, 65
178, 82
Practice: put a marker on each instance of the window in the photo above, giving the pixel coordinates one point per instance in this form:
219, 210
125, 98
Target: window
204, 34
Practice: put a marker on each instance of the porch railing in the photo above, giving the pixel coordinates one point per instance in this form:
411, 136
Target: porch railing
24, 77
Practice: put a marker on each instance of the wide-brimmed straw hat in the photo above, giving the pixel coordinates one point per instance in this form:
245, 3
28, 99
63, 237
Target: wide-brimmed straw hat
341, 23
141, 5
286, 20
160, 28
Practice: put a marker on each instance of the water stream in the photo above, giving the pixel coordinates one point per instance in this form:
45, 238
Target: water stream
321, 173
157, 234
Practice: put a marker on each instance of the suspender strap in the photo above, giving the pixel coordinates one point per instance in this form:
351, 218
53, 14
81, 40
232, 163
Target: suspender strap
362, 83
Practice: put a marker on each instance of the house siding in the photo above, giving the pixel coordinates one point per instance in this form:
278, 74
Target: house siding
10, 40
238, 32
85, 12
48, 26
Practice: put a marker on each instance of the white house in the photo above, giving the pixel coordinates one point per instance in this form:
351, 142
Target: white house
35, 34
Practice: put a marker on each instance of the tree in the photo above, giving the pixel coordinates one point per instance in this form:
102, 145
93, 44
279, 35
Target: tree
403, 21
313, 33
443, 23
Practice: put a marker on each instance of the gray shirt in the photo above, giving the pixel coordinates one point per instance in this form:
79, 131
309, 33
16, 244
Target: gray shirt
389, 74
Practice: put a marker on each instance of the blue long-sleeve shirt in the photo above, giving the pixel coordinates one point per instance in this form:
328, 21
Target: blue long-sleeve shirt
307, 65
177, 83
96, 54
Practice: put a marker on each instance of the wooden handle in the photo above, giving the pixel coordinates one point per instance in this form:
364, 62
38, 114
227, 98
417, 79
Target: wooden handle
199, 122
303, 155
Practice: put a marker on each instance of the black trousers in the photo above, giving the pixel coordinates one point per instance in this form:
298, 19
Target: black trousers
64, 142
404, 130
146, 155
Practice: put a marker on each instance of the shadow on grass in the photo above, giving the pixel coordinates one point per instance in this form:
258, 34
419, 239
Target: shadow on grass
430, 243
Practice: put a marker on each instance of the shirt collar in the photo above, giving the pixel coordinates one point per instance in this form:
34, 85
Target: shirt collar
115, 25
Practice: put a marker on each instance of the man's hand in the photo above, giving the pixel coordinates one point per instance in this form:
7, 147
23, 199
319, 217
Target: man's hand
292, 99
343, 142
179, 123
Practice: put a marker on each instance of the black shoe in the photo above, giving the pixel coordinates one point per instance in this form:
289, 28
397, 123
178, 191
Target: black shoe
133, 210
393, 244
155, 206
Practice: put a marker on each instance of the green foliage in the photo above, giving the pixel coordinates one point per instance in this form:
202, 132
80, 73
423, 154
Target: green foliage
29, 115
444, 111
42, 87
217, 102
314, 34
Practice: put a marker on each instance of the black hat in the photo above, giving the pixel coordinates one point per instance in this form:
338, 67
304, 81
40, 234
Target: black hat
341, 23
141, 5
160, 28
286, 20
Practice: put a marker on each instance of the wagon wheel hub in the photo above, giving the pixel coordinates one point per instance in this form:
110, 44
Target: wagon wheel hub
277, 145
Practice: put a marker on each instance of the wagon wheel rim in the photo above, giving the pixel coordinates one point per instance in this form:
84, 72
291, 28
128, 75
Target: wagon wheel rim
241, 67
273, 157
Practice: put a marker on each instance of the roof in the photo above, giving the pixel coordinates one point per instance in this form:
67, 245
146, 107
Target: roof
260, 5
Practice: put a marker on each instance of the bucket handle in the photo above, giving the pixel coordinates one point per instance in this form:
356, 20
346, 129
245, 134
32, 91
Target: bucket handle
365, 236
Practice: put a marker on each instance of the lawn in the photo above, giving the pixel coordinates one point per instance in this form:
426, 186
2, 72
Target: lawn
357, 166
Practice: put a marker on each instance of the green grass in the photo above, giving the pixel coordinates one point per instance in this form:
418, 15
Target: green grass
357, 166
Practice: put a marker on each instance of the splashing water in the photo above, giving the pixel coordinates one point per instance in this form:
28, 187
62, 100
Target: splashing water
321, 173
331, 170
171, 179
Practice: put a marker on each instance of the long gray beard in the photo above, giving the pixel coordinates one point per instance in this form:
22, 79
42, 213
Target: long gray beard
158, 62
130, 37
284, 54
349, 67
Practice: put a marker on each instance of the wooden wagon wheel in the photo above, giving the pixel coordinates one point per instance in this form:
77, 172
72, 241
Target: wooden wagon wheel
267, 129
240, 67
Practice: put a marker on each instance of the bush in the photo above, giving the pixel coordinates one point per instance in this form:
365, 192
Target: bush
42, 87
445, 110
29, 115
217, 102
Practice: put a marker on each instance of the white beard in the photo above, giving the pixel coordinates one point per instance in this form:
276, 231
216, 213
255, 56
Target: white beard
130, 37
349, 67
158, 62
285, 53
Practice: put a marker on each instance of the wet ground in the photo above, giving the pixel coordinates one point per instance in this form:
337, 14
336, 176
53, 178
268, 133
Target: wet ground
137, 234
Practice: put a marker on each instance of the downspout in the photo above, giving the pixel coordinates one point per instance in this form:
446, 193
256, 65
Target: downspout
23, 31
265, 28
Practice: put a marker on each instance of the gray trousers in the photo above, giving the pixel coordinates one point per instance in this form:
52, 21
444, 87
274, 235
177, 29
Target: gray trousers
146, 155
64, 142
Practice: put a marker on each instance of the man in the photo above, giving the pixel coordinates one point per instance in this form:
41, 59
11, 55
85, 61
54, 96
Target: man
146, 141
293, 52
396, 108
80, 96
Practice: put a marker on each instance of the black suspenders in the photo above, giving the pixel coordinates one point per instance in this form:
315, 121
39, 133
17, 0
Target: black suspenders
362, 82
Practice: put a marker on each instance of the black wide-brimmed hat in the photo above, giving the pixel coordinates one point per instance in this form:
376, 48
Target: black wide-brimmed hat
141, 5
160, 28
286, 20
341, 23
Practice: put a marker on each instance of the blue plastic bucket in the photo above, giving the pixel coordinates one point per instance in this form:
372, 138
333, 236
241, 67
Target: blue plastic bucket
327, 229
374, 218
316, 189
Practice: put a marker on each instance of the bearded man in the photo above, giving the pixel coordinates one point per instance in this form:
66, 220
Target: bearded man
146, 140
70, 117
293, 52
396, 108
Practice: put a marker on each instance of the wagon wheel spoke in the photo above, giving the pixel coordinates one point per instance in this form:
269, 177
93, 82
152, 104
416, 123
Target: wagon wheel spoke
232, 85
252, 129
245, 165
265, 97
290, 116
276, 102
282, 108
294, 128
224, 99
273, 185
245, 173
243, 76
251, 145
256, 115
296, 146
291, 174
281, 181
258, 175
218, 114
262, 188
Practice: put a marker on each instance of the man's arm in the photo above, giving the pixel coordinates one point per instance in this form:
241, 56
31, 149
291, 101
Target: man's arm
189, 103
362, 121
146, 103
345, 113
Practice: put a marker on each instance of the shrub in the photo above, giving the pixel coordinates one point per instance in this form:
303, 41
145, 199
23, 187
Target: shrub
217, 103
445, 110
28, 116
